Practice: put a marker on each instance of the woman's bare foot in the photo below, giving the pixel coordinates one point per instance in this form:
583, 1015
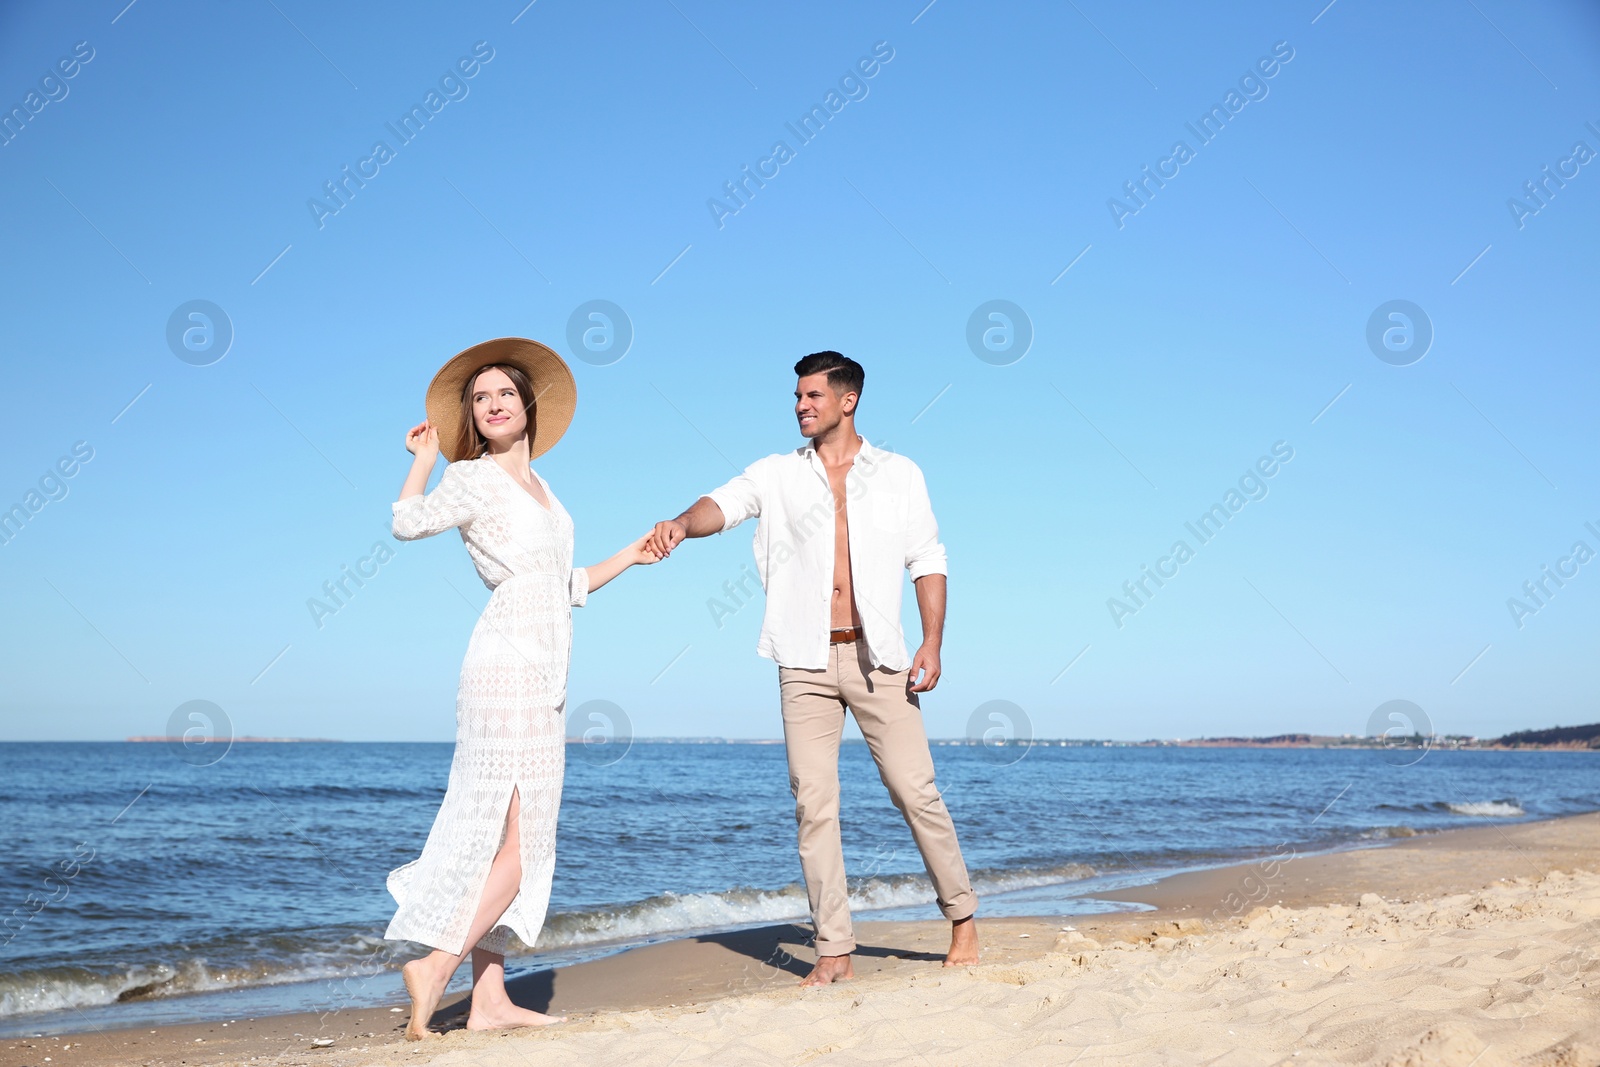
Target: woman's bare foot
963, 943
829, 969
504, 1015
425, 985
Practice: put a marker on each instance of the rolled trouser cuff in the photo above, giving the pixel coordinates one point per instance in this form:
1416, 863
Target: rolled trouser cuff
962, 906
836, 948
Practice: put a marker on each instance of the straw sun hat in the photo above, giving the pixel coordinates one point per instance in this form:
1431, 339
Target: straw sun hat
550, 408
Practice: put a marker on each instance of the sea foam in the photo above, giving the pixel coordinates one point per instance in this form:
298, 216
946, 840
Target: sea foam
1490, 809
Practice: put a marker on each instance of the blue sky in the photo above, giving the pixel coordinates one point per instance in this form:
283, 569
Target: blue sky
977, 163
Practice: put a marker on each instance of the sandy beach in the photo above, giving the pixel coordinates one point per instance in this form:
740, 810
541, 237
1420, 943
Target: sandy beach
1478, 946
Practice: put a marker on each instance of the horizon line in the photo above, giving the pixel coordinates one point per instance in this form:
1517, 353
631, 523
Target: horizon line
1284, 740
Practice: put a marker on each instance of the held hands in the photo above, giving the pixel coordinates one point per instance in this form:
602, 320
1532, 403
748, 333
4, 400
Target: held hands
925, 665
640, 554
666, 536
422, 441
656, 545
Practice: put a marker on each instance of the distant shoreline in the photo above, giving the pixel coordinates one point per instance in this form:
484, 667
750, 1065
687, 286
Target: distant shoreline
1307, 741
232, 740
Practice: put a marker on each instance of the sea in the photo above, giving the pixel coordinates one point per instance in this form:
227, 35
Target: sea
140, 885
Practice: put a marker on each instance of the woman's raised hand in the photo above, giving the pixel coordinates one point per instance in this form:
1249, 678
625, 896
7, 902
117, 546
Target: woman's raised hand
422, 441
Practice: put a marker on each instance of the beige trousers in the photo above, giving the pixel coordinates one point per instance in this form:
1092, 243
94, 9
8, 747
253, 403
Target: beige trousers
890, 718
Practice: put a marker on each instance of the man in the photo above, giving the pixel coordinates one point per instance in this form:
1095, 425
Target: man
833, 625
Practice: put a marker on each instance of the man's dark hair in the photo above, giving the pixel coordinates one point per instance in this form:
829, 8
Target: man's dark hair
845, 375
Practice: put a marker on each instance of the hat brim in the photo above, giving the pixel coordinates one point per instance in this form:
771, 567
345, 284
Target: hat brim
550, 408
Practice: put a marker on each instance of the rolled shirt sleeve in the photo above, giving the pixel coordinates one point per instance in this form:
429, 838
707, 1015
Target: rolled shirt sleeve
451, 503
739, 499
924, 554
578, 586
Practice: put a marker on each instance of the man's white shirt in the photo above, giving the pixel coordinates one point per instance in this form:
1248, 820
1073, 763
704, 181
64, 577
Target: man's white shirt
891, 528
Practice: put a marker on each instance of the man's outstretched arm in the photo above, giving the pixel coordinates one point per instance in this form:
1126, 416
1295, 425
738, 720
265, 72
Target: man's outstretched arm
703, 519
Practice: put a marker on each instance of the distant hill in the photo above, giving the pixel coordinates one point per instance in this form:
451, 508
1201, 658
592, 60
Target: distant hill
1555, 737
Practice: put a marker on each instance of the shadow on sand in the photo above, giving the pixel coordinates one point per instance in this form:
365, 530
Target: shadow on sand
749, 960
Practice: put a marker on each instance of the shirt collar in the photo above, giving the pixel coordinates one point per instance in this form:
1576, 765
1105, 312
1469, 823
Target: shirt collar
809, 449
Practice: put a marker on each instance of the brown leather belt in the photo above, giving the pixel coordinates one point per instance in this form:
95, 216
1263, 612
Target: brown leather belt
839, 637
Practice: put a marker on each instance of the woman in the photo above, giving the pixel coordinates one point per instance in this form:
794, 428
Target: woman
485, 870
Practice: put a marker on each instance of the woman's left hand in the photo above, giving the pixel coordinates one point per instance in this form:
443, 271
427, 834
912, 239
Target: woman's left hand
640, 553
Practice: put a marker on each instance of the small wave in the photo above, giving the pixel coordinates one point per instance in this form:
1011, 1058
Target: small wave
276, 959
1379, 833
1504, 808
673, 913
1489, 809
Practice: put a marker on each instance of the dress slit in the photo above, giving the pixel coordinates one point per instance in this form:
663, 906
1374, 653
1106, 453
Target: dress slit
522, 860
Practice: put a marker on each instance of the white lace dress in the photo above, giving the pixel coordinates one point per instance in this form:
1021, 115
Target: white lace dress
510, 710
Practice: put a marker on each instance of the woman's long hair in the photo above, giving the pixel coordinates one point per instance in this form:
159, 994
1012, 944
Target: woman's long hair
473, 444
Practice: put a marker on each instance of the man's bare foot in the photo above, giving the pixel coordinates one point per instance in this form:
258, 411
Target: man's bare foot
963, 943
504, 1015
425, 985
829, 969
